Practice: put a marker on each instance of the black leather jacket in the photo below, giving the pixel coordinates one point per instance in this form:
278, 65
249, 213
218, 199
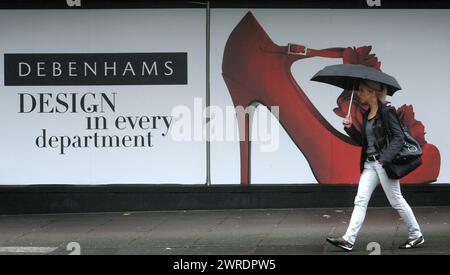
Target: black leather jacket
385, 117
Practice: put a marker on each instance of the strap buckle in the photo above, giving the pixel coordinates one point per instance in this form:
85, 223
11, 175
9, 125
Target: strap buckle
303, 53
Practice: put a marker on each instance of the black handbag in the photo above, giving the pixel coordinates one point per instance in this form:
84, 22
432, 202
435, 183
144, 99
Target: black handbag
409, 157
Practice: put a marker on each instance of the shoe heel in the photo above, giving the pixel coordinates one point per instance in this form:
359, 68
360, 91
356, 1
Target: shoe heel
245, 106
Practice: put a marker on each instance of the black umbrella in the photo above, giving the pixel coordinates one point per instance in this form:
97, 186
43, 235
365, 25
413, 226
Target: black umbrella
348, 76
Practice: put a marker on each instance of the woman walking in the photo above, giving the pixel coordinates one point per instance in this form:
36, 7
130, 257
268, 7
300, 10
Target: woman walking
375, 152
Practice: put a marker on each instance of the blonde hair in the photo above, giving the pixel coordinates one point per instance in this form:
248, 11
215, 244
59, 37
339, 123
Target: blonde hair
377, 87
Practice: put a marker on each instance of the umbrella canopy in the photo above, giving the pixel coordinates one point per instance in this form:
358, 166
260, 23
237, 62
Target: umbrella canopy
347, 77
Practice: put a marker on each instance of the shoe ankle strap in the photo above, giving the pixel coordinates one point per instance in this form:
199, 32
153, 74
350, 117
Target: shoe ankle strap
301, 50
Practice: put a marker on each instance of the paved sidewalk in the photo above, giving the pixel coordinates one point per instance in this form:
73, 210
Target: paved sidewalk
218, 232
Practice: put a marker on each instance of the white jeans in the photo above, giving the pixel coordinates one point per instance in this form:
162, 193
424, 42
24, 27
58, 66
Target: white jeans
372, 174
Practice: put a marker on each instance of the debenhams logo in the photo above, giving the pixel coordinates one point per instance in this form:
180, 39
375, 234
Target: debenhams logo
96, 69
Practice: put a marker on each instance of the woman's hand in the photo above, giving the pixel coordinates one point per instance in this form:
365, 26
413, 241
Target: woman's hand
347, 122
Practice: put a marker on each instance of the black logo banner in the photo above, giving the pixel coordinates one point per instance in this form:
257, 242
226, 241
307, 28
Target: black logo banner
95, 69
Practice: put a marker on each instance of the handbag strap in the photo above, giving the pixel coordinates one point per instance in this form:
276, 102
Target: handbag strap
387, 128
402, 127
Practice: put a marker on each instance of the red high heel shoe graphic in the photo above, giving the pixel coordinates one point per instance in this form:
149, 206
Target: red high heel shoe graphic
256, 70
